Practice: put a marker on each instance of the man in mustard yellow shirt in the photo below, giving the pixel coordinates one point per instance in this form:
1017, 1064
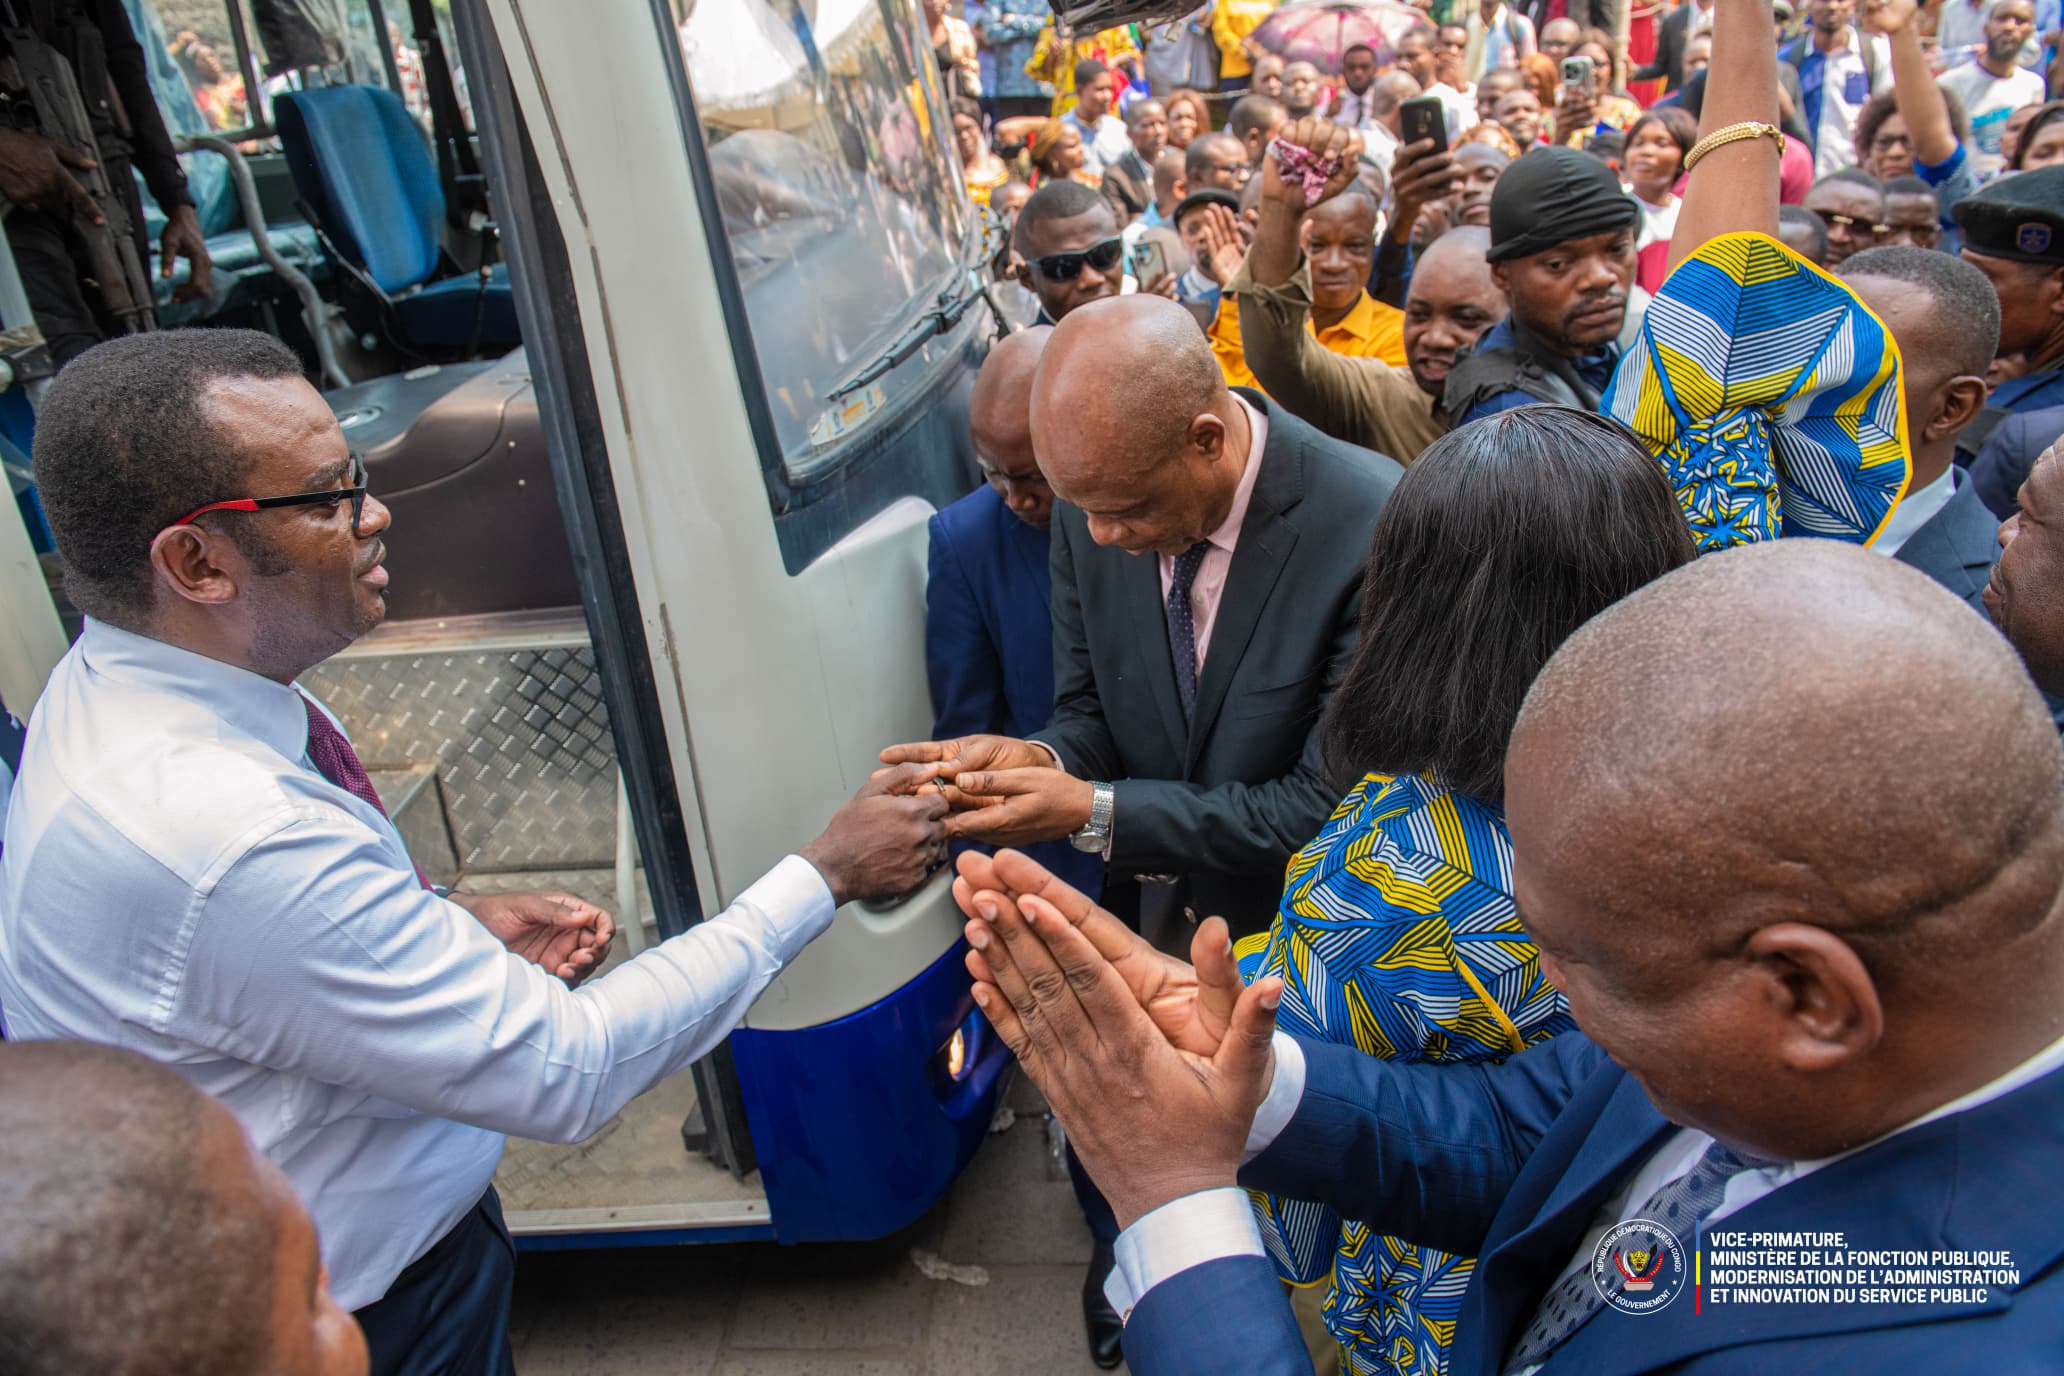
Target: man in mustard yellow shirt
1340, 241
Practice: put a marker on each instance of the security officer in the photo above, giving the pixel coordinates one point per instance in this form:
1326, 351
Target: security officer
2014, 234
44, 226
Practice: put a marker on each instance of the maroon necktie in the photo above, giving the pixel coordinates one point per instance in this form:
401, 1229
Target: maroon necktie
336, 761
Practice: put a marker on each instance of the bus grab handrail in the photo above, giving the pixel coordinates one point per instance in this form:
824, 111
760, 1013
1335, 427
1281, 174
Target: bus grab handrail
313, 313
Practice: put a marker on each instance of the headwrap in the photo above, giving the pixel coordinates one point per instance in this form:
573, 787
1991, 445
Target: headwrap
1554, 195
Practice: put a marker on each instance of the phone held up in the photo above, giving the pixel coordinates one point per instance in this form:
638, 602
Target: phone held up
1149, 260
1578, 77
1424, 117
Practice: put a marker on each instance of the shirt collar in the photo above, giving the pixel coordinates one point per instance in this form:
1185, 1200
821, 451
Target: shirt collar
1915, 510
271, 712
1359, 322
1228, 533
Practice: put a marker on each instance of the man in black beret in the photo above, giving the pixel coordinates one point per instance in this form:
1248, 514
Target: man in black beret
2014, 234
1562, 251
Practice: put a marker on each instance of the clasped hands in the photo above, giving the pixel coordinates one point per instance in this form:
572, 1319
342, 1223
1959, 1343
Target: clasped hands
1002, 791
1155, 1067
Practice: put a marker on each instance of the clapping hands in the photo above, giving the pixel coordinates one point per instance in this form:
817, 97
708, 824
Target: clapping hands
1154, 1067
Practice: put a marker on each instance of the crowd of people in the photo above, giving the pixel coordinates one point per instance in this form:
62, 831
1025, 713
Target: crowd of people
1469, 626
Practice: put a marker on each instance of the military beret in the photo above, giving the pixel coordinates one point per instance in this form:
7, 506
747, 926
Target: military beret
2019, 217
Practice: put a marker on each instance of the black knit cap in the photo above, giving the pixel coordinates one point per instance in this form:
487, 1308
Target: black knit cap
1551, 196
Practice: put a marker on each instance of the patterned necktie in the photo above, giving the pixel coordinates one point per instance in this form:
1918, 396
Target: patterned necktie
1677, 1205
1182, 623
336, 761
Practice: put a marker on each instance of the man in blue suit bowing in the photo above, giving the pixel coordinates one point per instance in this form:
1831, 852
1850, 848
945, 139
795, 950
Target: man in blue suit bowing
1816, 968
988, 597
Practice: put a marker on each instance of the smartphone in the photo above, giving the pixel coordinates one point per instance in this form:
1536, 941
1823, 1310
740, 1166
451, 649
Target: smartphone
1577, 76
1424, 117
1149, 260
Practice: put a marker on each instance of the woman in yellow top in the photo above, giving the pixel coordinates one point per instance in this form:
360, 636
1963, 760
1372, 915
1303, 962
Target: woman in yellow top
982, 170
1231, 23
1053, 60
1340, 240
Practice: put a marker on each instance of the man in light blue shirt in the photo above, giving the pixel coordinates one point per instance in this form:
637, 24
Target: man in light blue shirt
1104, 140
196, 867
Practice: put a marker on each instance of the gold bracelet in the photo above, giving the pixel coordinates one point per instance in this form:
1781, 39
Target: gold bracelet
1734, 133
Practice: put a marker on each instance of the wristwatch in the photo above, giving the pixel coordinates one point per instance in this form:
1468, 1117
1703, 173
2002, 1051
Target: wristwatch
1096, 836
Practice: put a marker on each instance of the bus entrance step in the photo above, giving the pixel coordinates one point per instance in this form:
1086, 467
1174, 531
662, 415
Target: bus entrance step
416, 804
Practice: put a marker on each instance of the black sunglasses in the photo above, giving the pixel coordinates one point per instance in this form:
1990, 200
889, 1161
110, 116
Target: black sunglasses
1103, 255
355, 493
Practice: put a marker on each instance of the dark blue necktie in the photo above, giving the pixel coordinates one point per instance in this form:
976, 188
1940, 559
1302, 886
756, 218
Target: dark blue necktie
1182, 624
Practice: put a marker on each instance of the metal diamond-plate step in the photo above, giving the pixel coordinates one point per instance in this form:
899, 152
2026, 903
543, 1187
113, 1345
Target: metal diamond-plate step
517, 732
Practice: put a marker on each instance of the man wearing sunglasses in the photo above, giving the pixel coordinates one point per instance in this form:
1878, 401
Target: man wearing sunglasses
1072, 251
1852, 202
197, 867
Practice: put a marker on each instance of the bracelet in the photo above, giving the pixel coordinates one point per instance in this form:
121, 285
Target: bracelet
1733, 133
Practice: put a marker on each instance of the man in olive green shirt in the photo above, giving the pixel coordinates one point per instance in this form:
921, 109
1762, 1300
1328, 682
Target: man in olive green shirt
1452, 300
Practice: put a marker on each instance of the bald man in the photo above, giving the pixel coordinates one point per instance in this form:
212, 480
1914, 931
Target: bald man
141, 1234
1815, 1029
1207, 565
1365, 401
988, 623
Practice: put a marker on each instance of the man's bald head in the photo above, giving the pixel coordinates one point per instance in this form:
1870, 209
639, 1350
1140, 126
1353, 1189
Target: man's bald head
140, 1234
1787, 827
1152, 453
1000, 420
1453, 299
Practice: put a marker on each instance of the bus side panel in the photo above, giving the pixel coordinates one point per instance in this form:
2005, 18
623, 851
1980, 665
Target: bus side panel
866, 1122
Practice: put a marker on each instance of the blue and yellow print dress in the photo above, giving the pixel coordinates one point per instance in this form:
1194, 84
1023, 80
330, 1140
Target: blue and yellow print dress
1397, 934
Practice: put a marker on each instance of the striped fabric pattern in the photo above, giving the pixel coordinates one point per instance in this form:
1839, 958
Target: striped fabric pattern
1397, 934
1771, 396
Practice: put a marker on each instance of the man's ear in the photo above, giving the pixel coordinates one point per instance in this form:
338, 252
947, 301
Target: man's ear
1503, 280
1822, 994
1962, 398
196, 565
1207, 435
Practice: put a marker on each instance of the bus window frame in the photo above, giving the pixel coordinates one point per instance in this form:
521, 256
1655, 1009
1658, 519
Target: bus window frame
549, 319
806, 522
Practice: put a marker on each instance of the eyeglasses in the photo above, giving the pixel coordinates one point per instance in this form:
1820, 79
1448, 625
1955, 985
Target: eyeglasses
1003, 481
1857, 226
355, 493
1103, 255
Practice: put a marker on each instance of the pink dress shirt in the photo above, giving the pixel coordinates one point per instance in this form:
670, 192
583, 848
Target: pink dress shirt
1207, 590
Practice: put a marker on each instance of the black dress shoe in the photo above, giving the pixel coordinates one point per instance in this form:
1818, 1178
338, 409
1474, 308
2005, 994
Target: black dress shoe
1106, 1329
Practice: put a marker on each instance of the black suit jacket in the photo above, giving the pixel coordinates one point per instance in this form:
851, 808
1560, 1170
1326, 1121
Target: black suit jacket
1225, 800
1671, 36
1957, 545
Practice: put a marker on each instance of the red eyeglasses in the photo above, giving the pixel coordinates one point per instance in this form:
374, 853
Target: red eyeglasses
355, 494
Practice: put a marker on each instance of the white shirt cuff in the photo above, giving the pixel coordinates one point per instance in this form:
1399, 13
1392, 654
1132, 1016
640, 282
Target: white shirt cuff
1182, 1233
1280, 1105
1057, 761
797, 904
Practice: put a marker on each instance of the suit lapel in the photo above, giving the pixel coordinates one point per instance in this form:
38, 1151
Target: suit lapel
1266, 540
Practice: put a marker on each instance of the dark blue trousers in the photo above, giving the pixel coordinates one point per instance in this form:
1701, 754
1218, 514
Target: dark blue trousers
448, 1313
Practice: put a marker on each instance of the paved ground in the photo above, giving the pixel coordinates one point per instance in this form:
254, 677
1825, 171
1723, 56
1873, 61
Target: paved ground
755, 1309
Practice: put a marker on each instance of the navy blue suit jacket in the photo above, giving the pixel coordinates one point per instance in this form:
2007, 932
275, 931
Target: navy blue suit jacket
1957, 545
2001, 464
1509, 1162
989, 640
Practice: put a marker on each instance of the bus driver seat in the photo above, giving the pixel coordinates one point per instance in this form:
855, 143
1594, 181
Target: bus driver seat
362, 171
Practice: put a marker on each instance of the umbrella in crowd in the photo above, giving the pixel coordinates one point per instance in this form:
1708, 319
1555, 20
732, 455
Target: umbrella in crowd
1321, 31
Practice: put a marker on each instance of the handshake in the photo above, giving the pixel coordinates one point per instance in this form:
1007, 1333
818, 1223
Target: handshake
894, 833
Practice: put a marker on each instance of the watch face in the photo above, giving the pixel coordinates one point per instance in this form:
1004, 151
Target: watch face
1087, 841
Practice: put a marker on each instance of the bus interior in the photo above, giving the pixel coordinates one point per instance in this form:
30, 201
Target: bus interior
403, 228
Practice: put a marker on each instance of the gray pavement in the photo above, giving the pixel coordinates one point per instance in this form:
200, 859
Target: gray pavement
855, 1309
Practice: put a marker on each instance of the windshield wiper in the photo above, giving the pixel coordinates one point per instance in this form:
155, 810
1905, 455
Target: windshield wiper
946, 312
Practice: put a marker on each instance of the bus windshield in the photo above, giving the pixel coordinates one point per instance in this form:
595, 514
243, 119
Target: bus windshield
843, 210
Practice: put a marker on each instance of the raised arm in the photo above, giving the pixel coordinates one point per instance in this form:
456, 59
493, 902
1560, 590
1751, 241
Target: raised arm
1734, 189
1914, 90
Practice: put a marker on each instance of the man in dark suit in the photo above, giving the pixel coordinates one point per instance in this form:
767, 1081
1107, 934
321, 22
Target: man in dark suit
988, 618
1944, 316
2007, 452
1207, 574
1830, 1015
1672, 33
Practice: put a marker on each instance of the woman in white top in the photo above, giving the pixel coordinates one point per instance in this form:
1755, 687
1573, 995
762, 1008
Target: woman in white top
1653, 163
